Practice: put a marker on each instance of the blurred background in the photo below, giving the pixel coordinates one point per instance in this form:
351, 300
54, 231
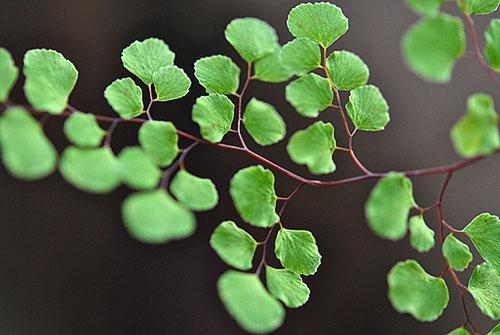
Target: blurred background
68, 265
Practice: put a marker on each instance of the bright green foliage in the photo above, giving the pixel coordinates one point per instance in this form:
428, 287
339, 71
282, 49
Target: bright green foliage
484, 232
310, 94
432, 46
159, 140
457, 253
368, 108
263, 122
414, 291
26, 151
314, 147
83, 130
50, 78
484, 285
252, 38
195, 193
492, 48
217, 74
90, 170
478, 7
271, 69
388, 206
125, 97
252, 190
249, 303
214, 114
144, 58
496, 330
421, 236
347, 70
153, 217
425, 7
321, 22
137, 169
287, 287
297, 251
301, 56
476, 133
170, 83
459, 331
8, 74
233, 245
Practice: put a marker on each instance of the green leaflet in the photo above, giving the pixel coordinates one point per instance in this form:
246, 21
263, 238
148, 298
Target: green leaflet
9, 73
413, 291
252, 38
217, 74
484, 285
309, 95
484, 232
492, 48
170, 83
144, 58
263, 122
388, 206
314, 147
287, 287
456, 253
368, 108
137, 169
425, 7
347, 70
495, 330
90, 170
26, 152
153, 217
248, 302
476, 133
459, 331
432, 46
321, 22
271, 68
478, 7
233, 245
195, 193
82, 130
297, 251
159, 140
252, 191
50, 79
421, 236
214, 114
301, 56
125, 97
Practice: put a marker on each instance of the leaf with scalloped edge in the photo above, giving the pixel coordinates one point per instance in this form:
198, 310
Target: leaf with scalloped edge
138, 170
249, 303
421, 236
414, 291
287, 287
297, 251
153, 217
271, 69
214, 114
90, 170
347, 70
456, 253
263, 122
492, 48
233, 245
484, 285
309, 95
50, 79
171, 83
301, 56
321, 22
159, 141
314, 147
252, 38
252, 191
26, 152
144, 58
125, 97
217, 74
83, 130
8, 74
484, 232
195, 193
368, 108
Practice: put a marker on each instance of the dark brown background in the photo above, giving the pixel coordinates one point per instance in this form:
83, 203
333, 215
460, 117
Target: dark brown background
68, 266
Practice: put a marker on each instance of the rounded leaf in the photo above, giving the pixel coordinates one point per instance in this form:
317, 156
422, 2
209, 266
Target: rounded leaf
125, 97
271, 69
484, 232
138, 170
287, 287
347, 70
159, 141
301, 56
214, 114
309, 95
368, 108
217, 74
82, 130
263, 122
492, 48
456, 253
9, 72
297, 251
170, 83
421, 236
484, 285
195, 193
